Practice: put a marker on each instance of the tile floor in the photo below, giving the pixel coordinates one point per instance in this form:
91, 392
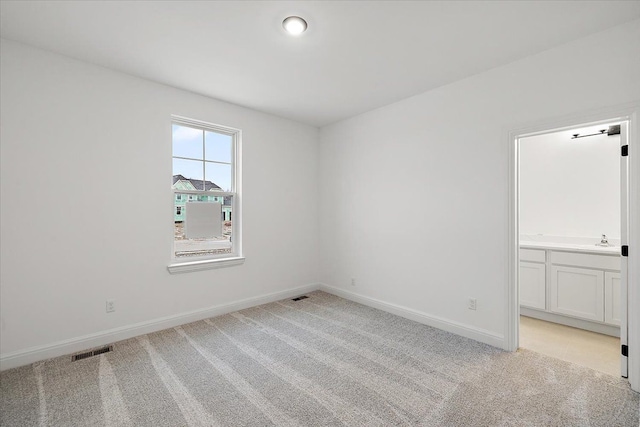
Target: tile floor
590, 349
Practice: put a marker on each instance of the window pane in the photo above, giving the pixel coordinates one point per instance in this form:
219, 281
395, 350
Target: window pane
217, 147
187, 142
184, 247
219, 174
187, 174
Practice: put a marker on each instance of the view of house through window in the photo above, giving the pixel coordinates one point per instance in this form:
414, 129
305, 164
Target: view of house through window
204, 190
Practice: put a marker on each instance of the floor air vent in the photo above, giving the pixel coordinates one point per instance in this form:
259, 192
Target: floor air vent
91, 353
299, 298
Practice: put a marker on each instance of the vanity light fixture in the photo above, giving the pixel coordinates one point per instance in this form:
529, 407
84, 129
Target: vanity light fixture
294, 25
577, 135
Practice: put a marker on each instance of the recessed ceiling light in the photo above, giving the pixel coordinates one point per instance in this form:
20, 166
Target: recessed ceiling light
294, 25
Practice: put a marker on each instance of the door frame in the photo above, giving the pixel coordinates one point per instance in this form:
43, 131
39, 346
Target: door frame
631, 113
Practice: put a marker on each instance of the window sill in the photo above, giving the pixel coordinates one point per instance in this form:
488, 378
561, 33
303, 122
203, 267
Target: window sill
208, 264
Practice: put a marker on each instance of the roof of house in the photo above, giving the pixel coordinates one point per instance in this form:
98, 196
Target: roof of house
197, 183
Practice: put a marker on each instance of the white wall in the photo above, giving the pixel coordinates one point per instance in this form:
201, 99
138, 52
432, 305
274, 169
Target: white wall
87, 202
414, 195
570, 187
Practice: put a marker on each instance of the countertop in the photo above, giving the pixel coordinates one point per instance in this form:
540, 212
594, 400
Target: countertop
569, 243
573, 247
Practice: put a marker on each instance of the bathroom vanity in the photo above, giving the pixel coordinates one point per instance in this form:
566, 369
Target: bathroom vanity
575, 283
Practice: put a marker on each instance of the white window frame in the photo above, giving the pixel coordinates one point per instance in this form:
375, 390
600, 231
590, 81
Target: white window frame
205, 262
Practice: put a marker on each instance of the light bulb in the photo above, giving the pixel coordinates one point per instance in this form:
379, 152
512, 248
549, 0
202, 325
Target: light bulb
294, 25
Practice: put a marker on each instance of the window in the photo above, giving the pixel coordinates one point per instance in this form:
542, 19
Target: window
206, 198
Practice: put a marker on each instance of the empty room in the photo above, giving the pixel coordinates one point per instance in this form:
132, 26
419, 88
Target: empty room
320, 213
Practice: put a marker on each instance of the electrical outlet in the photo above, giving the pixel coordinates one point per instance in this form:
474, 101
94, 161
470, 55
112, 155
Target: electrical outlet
353, 281
111, 305
472, 304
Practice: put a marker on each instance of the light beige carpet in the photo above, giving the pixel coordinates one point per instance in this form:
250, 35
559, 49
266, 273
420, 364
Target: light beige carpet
322, 361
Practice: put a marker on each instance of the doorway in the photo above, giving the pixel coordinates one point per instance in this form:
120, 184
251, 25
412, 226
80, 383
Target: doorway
569, 240
562, 262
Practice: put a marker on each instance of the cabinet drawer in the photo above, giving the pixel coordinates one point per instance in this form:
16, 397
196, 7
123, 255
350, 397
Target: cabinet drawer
532, 255
605, 262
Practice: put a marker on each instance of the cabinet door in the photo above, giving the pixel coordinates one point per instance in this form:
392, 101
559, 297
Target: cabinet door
532, 285
612, 298
577, 292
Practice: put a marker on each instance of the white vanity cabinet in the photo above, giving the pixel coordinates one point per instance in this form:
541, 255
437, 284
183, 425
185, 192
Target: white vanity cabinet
583, 288
533, 273
612, 298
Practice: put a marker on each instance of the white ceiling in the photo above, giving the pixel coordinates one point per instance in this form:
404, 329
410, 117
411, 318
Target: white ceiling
356, 56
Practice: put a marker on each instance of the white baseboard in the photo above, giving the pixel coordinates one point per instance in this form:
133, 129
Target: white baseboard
74, 345
467, 331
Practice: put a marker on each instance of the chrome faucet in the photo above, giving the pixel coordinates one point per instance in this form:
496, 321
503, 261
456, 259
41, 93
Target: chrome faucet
603, 241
